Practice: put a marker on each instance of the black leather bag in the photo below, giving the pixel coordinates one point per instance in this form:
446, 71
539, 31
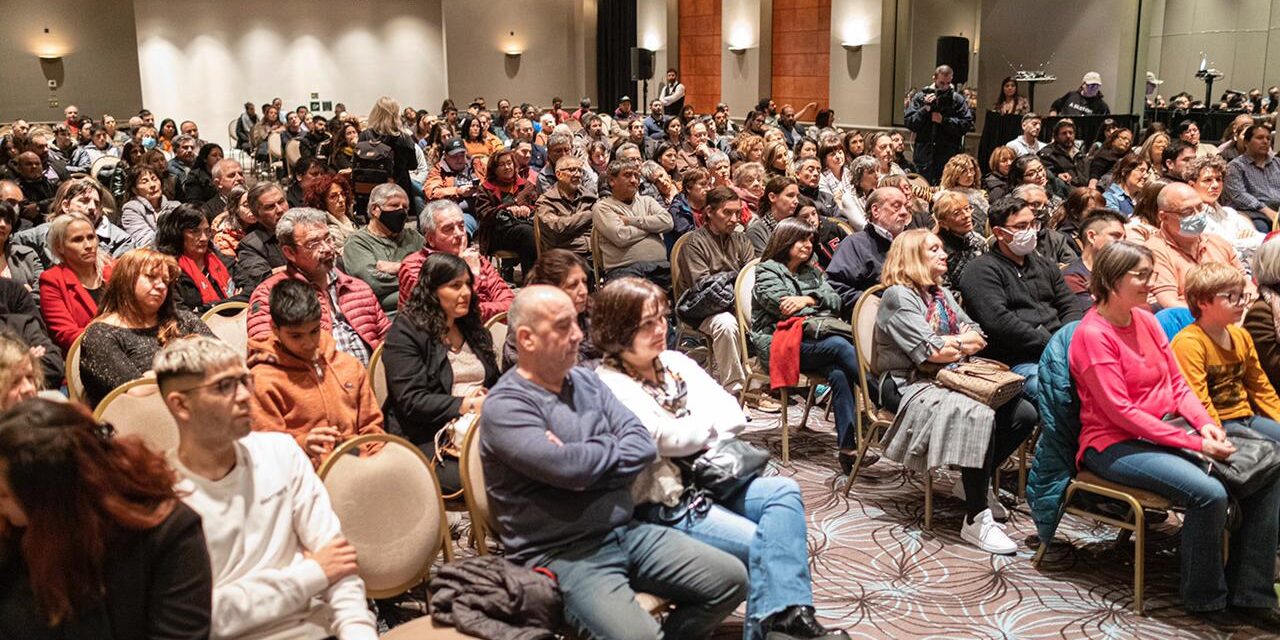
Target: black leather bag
725, 468
1254, 466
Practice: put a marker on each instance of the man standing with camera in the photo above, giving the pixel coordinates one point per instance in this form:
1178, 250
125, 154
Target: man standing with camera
939, 117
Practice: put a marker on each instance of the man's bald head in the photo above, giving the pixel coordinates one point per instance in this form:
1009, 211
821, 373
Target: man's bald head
531, 305
1176, 196
545, 323
9, 190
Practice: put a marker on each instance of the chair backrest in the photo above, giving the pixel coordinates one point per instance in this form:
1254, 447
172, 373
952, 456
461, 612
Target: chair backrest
275, 145
391, 509
229, 322
231, 132
293, 153
75, 385
597, 263
844, 226
676, 291
743, 287
102, 164
498, 328
864, 331
473, 489
378, 374
136, 408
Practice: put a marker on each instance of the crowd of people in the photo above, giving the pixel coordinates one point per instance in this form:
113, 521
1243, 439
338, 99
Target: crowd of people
597, 237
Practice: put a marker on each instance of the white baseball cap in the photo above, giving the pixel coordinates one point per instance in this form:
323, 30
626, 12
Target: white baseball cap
1092, 78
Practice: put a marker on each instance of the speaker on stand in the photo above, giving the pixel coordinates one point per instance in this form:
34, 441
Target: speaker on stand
953, 51
642, 71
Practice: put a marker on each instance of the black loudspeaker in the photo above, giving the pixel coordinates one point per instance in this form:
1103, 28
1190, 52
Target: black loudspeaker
953, 51
642, 64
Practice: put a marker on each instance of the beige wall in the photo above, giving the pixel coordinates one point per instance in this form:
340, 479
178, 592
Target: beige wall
1241, 38
1074, 37
856, 76
99, 68
202, 60
744, 77
557, 38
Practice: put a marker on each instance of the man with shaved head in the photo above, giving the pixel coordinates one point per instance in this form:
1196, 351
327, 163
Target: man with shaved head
559, 453
1181, 244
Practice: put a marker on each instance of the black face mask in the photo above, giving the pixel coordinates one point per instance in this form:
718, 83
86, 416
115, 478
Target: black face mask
394, 220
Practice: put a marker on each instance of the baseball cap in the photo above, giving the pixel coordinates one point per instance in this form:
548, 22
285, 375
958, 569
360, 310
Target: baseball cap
454, 146
1152, 79
1093, 77
624, 99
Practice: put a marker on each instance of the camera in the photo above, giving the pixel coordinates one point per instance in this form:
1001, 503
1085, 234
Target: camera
942, 100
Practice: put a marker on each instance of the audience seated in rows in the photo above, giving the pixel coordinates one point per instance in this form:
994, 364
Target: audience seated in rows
563, 211
855, 267
1181, 243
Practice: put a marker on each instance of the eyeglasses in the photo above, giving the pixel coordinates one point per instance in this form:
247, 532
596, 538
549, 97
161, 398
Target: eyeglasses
318, 243
1235, 298
1182, 213
228, 385
1143, 276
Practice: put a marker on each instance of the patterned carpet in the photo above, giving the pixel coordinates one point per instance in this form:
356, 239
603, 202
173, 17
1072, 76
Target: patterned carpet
878, 574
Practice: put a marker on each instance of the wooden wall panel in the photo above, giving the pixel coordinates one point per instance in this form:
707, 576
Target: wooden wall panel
700, 47
801, 53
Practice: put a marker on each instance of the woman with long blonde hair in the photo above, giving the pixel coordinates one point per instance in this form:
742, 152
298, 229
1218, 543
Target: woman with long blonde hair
386, 127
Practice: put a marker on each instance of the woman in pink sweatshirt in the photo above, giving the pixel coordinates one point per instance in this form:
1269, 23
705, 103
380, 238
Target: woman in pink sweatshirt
1130, 392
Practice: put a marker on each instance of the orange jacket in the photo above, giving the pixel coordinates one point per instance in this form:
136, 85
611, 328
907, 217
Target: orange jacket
294, 396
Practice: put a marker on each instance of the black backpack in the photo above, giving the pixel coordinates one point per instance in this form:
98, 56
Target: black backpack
374, 164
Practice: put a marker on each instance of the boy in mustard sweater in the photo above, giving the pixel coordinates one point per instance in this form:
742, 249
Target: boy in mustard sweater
1217, 356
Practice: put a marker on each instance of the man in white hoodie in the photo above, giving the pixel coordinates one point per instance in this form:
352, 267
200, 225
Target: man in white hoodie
281, 568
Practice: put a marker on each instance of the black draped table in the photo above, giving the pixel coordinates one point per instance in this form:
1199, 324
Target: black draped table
1213, 124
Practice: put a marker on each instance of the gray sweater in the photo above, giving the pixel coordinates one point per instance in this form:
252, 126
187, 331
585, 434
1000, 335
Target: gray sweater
547, 496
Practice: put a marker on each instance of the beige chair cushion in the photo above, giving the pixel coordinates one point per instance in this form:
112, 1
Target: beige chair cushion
141, 411
378, 375
233, 330
479, 498
423, 628
389, 506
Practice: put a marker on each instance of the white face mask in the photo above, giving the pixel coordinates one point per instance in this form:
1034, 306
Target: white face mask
1023, 243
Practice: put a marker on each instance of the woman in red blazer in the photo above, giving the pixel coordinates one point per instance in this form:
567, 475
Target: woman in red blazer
69, 291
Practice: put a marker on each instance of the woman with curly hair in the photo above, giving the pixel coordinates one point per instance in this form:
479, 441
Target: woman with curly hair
439, 359
332, 194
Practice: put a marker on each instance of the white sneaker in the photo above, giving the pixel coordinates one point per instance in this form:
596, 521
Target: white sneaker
998, 511
987, 535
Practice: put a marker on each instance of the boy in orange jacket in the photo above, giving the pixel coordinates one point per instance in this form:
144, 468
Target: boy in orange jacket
304, 385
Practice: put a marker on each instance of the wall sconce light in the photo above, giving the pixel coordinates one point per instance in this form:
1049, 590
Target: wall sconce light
513, 53
738, 50
49, 57
851, 47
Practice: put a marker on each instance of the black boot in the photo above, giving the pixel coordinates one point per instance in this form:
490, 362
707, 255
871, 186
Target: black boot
798, 622
846, 460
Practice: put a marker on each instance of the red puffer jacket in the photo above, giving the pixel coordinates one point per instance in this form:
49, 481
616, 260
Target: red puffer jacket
494, 295
355, 299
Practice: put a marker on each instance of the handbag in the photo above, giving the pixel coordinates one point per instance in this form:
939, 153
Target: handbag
1254, 465
819, 327
987, 381
450, 437
725, 468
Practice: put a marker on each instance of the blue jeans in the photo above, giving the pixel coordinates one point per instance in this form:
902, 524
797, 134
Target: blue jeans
1030, 371
1266, 426
1246, 580
835, 358
764, 526
598, 581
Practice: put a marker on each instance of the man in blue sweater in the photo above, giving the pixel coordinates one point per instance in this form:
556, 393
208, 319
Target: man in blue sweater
559, 453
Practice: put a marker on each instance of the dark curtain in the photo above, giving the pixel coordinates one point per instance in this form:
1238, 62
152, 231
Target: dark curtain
615, 35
